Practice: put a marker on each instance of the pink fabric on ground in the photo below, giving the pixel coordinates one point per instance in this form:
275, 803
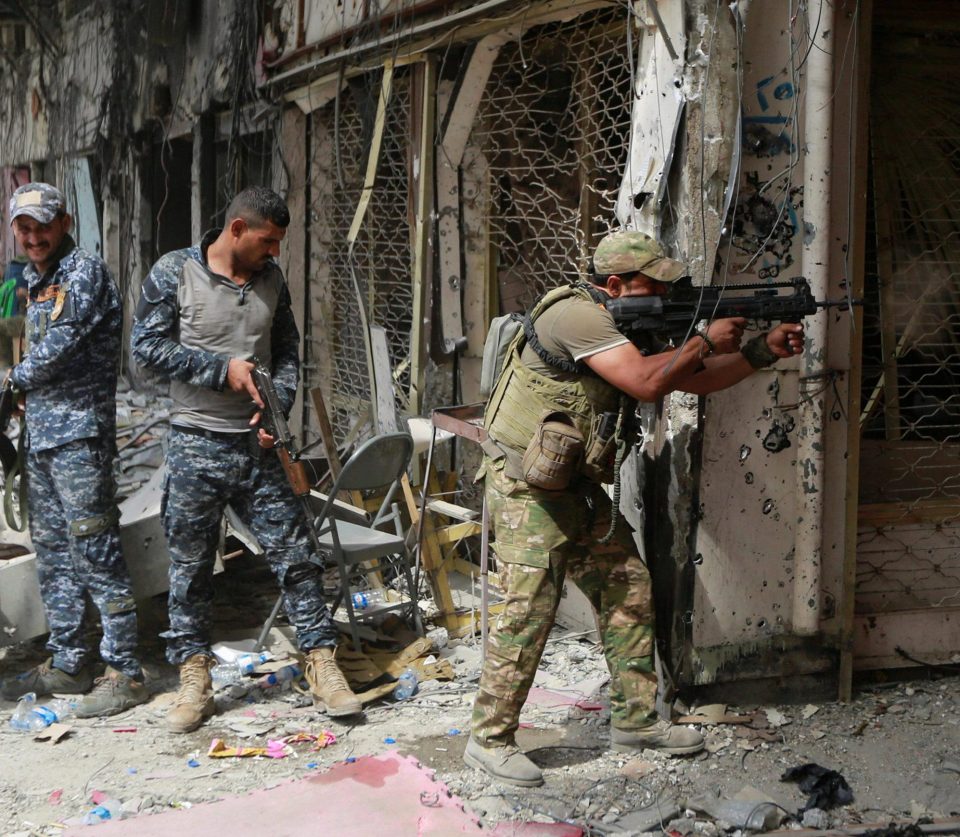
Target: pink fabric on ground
371, 797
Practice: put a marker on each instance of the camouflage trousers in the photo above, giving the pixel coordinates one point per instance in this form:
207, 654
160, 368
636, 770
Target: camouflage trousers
75, 532
542, 536
202, 476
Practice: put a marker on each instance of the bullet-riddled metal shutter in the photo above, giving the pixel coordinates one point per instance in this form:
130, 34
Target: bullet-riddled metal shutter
553, 125
335, 355
908, 552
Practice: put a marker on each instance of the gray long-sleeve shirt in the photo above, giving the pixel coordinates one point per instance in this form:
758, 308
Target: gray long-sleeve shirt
191, 321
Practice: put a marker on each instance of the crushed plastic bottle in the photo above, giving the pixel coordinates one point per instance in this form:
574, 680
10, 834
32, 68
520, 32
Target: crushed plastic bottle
364, 599
406, 684
745, 813
247, 663
232, 673
29, 716
279, 677
108, 809
224, 675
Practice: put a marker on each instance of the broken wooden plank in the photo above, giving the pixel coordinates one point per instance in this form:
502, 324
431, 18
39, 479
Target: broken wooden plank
422, 229
385, 410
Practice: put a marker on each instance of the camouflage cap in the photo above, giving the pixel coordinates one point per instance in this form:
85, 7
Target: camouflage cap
40, 201
627, 251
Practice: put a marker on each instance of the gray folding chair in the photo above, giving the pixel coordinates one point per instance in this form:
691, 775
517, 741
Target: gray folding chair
379, 463
360, 546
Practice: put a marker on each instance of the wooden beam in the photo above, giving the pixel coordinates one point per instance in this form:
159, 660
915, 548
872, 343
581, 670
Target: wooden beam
326, 432
423, 174
366, 193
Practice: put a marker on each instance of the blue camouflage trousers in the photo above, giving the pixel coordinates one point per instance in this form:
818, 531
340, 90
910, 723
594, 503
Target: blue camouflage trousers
75, 532
203, 475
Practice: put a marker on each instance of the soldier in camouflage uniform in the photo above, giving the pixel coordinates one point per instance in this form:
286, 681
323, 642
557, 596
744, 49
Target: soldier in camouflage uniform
204, 312
579, 380
69, 379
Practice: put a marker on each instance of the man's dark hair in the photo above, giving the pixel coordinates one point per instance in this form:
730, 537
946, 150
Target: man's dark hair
257, 204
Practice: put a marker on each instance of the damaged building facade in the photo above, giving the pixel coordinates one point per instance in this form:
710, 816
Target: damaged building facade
446, 162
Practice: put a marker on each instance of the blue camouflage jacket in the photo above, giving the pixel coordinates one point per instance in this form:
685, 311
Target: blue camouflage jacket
70, 370
156, 341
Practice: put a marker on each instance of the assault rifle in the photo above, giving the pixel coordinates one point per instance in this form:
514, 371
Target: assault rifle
14, 490
686, 304
274, 422
8, 404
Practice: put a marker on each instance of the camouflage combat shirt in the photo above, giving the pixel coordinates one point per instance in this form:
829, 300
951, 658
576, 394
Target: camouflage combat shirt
191, 321
70, 370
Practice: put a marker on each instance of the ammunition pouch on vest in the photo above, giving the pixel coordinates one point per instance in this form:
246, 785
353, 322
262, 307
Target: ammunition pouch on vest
553, 456
522, 398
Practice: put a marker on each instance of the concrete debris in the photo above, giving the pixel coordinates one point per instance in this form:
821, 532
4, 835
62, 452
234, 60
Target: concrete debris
815, 818
564, 728
142, 425
776, 718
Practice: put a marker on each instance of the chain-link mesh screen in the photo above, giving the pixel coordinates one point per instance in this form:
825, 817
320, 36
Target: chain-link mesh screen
379, 267
910, 472
554, 124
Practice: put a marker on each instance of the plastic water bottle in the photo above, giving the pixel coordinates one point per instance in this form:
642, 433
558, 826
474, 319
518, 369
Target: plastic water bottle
246, 663
283, 675
225, 674
31, 717
108, 809
363, 599
406, 684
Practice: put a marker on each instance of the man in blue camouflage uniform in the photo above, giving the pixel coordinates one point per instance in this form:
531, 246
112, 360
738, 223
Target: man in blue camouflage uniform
204, 312
69, 380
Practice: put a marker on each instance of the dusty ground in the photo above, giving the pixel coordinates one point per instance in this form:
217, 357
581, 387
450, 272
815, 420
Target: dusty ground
897, 745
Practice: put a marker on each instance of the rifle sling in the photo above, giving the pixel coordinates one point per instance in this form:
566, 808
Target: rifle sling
571, 367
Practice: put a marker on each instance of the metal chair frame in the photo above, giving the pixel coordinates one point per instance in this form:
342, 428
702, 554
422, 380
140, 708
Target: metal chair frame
378, 463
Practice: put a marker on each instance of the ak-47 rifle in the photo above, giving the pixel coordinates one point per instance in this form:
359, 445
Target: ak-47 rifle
274, 422
685, 304
13, 485
8, 403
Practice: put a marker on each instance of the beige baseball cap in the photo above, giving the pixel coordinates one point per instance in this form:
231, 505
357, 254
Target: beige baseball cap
627, 251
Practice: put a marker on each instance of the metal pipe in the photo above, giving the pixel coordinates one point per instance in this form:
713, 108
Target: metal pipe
815, 266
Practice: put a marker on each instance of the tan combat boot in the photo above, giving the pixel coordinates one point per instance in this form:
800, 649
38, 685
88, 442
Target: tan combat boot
328, 685
194, 700
504, 762
661, 735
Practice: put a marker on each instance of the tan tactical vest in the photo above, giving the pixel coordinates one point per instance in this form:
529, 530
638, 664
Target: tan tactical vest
522, 397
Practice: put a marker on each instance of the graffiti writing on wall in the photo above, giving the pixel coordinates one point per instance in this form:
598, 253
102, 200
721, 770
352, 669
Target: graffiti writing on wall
768, 212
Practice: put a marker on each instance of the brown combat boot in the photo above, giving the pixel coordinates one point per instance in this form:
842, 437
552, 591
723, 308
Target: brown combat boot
328, 685
194, 701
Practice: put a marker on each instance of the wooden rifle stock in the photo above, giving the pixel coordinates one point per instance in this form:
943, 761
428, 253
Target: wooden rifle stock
296, 472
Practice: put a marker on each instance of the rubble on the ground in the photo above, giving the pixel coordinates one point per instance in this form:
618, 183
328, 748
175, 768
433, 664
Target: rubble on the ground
142, 424
132, 759
895, 745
